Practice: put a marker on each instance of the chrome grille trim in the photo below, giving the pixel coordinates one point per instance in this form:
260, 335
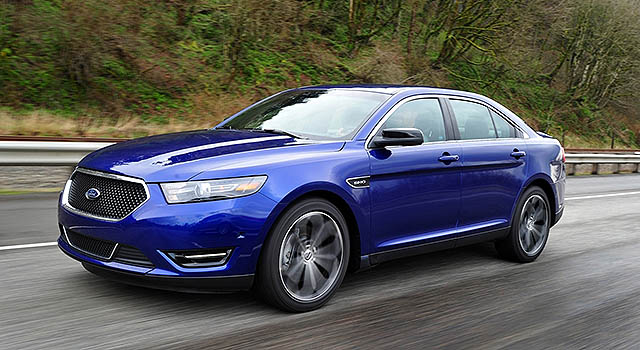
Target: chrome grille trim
67, 187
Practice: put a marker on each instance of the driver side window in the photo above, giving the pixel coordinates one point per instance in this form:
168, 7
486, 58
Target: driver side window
423, 114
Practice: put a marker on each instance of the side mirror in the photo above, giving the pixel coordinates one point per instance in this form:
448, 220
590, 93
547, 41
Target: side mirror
399, 137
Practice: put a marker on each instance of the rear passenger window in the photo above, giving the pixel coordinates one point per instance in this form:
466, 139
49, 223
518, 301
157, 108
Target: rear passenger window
503, 128
474, 120
424, 114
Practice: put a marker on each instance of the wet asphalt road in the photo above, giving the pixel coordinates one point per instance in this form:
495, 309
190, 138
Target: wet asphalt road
582, 293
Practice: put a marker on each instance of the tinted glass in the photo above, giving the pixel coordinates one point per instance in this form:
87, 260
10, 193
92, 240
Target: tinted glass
316, 114
474, 120
423, 114
503, 128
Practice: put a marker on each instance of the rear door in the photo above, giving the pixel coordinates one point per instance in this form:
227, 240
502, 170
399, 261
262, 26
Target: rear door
494, 165
415, 192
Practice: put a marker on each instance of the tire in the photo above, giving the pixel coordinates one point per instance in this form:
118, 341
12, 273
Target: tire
529, 231
305, 257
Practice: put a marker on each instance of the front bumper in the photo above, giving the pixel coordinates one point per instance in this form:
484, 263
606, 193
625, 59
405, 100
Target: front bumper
178, 284
157, 227
219, 284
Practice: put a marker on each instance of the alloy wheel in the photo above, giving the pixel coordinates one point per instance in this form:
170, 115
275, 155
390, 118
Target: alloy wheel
311, 256
534, 225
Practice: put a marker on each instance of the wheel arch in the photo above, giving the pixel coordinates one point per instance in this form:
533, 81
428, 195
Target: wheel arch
350, 218
332, 195
544, 182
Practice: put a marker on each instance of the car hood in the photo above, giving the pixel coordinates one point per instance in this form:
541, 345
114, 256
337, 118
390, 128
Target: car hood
181, 156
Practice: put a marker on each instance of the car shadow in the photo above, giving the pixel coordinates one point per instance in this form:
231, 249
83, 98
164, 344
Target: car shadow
248, 302
408, 267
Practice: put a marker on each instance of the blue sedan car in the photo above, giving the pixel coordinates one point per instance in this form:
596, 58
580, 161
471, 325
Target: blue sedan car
291, 193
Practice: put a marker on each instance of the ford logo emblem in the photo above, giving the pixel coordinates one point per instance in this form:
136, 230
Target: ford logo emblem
92, 194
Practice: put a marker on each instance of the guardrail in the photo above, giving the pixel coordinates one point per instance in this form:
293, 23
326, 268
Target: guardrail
596, 160
602, 150
69, 153
46, 152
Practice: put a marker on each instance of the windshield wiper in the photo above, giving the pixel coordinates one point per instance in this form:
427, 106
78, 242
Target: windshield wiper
277, 132
270, 131
225, 127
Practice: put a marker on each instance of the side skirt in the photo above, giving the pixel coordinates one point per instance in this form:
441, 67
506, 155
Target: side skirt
380, 257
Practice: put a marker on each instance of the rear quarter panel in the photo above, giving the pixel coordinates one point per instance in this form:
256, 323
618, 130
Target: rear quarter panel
545, 163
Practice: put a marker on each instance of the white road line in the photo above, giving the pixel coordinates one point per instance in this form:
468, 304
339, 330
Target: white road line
32, 245
602, 195
48, 244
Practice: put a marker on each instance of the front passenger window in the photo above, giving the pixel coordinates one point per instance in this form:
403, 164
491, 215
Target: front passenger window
474, 120
424, 114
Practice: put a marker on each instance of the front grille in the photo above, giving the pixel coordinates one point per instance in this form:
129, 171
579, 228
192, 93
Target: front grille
132, 256
117, 197
93, 246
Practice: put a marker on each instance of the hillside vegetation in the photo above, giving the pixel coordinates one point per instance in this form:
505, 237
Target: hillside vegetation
129, 68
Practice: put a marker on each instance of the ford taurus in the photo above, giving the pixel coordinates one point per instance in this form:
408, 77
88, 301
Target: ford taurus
291, 193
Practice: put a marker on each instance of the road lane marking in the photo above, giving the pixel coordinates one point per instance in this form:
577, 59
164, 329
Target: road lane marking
32, 245
603, 195
48, 244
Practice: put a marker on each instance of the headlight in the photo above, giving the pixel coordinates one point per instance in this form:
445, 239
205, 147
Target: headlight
196, 191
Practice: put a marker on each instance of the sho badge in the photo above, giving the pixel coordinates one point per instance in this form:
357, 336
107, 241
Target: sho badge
359, 182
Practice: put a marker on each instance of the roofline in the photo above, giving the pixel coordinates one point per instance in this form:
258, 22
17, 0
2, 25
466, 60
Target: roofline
392, 88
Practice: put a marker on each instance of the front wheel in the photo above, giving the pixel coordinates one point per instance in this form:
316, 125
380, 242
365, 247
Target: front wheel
305, 257
530, 228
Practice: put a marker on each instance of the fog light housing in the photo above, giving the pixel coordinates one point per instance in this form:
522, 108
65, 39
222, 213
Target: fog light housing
201, 257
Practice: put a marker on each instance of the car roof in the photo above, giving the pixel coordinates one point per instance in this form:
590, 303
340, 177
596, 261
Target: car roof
391, 89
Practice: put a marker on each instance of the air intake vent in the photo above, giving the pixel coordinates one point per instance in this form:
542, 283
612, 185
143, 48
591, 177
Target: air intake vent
201, 258
92, 246
131, 256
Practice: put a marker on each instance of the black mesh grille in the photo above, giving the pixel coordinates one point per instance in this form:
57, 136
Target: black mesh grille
118, 198
93, 246
132, 256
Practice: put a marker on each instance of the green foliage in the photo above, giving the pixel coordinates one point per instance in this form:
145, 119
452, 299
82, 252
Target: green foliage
154, 59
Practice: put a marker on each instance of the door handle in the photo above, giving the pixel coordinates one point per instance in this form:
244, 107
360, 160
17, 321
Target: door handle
518, 154
447, 158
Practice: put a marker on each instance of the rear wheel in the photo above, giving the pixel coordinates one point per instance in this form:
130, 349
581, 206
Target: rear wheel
305, 257
530, 228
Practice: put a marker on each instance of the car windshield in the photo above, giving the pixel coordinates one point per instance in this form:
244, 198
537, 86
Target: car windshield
331, 114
